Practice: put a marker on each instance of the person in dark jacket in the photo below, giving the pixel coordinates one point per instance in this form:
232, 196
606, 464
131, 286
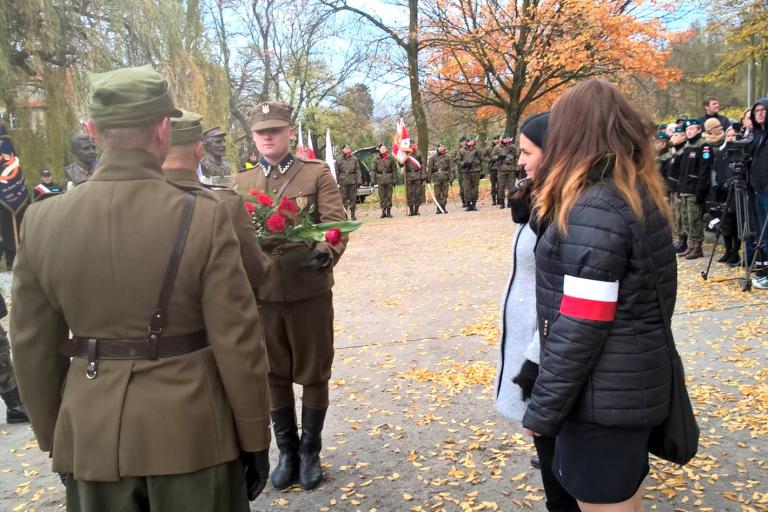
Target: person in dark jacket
605, 371
672, 175
758, 175
722, 177
694, 167
712, 111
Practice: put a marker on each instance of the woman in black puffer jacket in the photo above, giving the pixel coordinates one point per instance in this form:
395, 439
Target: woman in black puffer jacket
605, 373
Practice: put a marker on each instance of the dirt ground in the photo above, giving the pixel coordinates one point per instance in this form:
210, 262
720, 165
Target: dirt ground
412, 425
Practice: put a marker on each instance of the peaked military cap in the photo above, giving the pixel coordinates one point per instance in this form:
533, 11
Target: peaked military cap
270, 114
129, 97
186, 129
214, 131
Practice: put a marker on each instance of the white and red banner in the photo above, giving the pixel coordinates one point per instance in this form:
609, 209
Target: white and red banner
329, 153
401, 149
589, 299
300, 151
310, 149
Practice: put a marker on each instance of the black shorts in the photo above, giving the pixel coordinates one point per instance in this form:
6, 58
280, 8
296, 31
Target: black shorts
598, 464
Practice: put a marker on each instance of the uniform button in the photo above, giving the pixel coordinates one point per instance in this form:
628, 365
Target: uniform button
274, 191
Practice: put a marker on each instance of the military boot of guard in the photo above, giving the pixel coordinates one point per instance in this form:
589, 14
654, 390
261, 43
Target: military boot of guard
682, 244
687, 251
312, 421
15, 411
416, 210
696, 251
352, 214
383, 213
445, 210
437, 210
389, 212
287, 439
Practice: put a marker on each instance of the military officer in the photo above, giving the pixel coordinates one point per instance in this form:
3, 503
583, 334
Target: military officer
458, 158
439, 174
489, 166
349, 176
385, 171
414, 181
295, 298
179, 167
505, 160
471, 168
166, 397
14, 409
81, 169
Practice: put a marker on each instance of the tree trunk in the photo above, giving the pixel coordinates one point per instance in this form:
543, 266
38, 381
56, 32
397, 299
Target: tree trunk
412, 51
512, 120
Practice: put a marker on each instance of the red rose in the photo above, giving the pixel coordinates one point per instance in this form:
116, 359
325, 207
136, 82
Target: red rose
276, 223
264, 200
287, 208
254, 192
333, 236
250, 207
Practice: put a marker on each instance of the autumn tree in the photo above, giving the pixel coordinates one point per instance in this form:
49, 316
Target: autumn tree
512, 57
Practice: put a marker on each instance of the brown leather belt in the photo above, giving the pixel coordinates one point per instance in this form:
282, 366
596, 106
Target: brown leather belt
168, 346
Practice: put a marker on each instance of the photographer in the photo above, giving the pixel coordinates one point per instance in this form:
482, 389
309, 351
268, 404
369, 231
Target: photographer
722, 176
758, 150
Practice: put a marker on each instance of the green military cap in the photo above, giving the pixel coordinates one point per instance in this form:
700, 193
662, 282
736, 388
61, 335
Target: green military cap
186, 129
506, 136
692, 122
662, 136
661, 127
129, 97
497, 136
679, 129
463, 138
441, 143
270, 114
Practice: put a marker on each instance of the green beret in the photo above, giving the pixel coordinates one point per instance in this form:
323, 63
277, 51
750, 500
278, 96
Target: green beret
661, 127
497, 136
662, 136
270, 114
506, 136
186, 129
692, 122
129, 97
463, 138
441, 143
679, 129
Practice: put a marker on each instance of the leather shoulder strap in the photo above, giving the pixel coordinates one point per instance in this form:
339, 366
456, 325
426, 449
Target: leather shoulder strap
159, 317
292, 172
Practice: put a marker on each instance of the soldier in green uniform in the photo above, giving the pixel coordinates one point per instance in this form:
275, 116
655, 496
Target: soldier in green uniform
295, 298
457, 157
349, 176
439, 174
489, 166
179, 167
415, 175
14, 409
672, 174
471, 168
504, 158
385, 172
166, 403
695, 166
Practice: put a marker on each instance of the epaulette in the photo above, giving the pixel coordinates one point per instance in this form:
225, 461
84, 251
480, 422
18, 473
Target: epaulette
220, 188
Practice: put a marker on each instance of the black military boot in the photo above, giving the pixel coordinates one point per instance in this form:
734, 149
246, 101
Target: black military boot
389, 212
383, 213
682, 244
416, 210
15, 411
287, 438
500, 202
437, 210
445, 210
312, 421
352, 214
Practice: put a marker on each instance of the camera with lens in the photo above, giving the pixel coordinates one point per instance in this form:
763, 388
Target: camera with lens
736, 154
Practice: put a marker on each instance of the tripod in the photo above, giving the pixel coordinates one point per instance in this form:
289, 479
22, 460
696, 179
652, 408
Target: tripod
737, 201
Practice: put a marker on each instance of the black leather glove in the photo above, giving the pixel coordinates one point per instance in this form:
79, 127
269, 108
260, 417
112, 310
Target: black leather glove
526, 378
64, 477
256, 466
318, 260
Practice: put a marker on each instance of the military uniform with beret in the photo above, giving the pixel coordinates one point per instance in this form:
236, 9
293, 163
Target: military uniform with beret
694, 170
297, 304
165, 393
349, 176
491, 167
504, 156
439, 174
385, 172
457, 157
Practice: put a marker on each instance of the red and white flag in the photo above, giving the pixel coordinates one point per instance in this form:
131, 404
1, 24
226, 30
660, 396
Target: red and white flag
401, 148
300, 151
310, 149
589, 299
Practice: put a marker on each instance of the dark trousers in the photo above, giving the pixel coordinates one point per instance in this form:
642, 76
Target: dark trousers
558, 499
7, 232
216, 489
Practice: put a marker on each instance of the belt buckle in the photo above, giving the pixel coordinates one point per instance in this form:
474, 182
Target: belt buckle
93, 355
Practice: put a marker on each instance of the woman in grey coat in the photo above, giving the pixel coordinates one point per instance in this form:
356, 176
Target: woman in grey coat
519, 361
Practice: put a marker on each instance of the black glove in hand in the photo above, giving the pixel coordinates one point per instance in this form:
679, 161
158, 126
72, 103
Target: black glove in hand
256, 466
526, 378
318, 260
64, 477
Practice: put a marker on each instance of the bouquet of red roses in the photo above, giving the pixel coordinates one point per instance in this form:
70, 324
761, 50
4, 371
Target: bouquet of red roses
284, 221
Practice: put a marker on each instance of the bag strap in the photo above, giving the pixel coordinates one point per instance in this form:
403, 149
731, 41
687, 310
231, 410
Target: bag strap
293, 171
159, 316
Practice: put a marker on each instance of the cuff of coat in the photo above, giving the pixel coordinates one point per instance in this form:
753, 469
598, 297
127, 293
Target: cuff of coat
253, 434
44, 430
539, 427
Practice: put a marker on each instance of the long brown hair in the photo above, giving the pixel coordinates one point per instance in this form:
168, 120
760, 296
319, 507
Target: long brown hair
590, 123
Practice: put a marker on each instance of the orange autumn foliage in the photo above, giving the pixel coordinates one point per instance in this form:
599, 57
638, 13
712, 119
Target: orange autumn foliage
518, 56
